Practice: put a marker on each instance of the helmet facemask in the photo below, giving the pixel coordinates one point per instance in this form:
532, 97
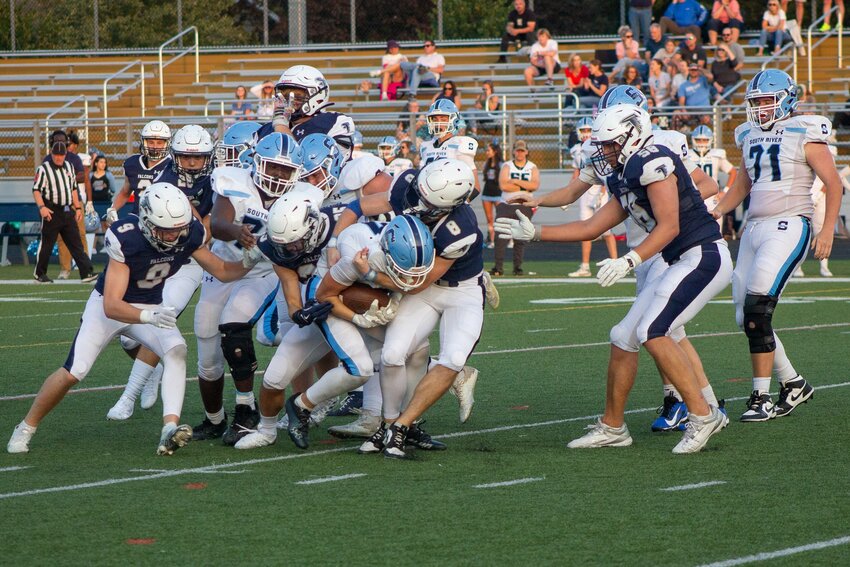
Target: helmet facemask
608, 156
304, 245
584, 133
445, 125
321, 178
274, 178
765, 115
188, 176
155, 154
228, 155
702, 145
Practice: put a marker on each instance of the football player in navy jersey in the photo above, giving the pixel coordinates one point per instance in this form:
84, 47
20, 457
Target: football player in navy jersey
650, 184
142, 168
144, 252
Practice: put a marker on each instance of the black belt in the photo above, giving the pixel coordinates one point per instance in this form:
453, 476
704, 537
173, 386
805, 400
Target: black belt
444, 283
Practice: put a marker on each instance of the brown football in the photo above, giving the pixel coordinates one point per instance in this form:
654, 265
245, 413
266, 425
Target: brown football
359, 297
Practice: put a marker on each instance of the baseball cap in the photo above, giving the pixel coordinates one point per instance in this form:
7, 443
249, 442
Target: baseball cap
693, 66
392, 43
520, 145
59, 149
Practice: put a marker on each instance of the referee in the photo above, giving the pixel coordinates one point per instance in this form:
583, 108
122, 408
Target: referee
55, 193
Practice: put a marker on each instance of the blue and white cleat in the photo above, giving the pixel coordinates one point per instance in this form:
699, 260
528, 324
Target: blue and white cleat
672, 415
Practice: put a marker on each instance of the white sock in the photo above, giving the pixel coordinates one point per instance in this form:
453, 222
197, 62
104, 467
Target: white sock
173, 381
333, 383
372, 400
782, 366
27, 427
300, 404
139, 376
708, 394
761, 385
217, 417
245, 399
670, 390
584, 266
268, 425
393, 387
824, 264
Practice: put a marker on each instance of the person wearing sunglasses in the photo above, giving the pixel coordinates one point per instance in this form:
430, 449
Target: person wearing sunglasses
773, 32
725, 14
628, 53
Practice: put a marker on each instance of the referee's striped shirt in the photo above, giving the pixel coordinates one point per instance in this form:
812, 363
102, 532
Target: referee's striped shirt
56, 183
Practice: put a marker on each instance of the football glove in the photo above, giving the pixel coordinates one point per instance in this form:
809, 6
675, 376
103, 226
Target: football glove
251, 257
374, 317
283, 109
520, 228
162, 317
312, 312
111, 215
612, 270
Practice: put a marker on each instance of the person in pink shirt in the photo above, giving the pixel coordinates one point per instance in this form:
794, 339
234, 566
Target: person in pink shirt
725, 14
628, 53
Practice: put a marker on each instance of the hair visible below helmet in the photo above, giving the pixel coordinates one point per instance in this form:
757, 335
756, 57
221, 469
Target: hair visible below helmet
295, 225
627, 126
443, 185
584, 127
409, 249
192, 140
277, 164
387, 147
236, 138
443, 107
775, 84
357, 139
702, 138
159, 130
322, 155
165, 216
310, 80
623, 94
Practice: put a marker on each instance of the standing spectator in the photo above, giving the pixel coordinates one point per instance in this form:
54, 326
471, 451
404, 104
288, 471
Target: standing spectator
723, 73
543, 58
241, 108
659, 83
391, 73
487, 106
103, 188
827, 7
640, 18
520, 174
695, 92
265, 107
594, 85
800, 5
521, 23
628, 53
55, 193
734, 47
669, 53
448, 92
725, 14
576, 72
654, 42
426, 71
691, 51
491, 194
773, 30
684, 16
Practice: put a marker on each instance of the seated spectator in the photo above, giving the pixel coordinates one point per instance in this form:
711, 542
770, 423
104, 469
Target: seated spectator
691, 51
725, 14
543, 58
594, 86
668, 53
408, 116
628, 53
695, 92
426, 71
241, 109
265, 107
576, 72
487, 106
659, 83
391, 73
632, 77
723, 73
684, 16
679, 77
654, 42
773, 32
449, 92
734, 46
521, 24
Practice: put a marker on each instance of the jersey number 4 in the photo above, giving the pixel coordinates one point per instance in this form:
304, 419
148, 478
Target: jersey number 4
773, 152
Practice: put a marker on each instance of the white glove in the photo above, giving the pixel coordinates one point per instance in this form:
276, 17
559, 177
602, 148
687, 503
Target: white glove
391, 310
522, 229
612, 270
89, 207
283, 110
111, 215
372, 318
162, 317
252, 256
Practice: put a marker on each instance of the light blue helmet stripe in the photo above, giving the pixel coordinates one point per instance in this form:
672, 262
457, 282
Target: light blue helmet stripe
417, 238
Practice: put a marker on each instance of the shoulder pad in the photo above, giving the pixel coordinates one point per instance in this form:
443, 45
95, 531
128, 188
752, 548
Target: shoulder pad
649, 165
229, 181
466, 145
718, 153
311, 191
113, 245
818, 129
358, 172
741, 133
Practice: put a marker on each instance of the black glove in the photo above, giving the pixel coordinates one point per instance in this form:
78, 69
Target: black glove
311, 312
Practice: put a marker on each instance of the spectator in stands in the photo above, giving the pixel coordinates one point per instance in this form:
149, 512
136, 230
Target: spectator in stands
391, 73
827, 7
241, 108
640, 18
734, 47
679, 77
773, 32
576, 72
695, 92
659, 83
490, 193
725, 14
800, 5
521, 23
103, 188
684, 16
406, 151
628, 53
594, 85
487, 106
265, 107
426, 71
691, 51
723, 69
449, 92
543, 58
631, 77
654, 42
408, 116
520, 174
669, 54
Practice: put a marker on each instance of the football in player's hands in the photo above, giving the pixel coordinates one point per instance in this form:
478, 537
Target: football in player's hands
359, 297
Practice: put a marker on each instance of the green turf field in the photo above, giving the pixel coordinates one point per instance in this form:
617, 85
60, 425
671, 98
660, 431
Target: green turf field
94, 492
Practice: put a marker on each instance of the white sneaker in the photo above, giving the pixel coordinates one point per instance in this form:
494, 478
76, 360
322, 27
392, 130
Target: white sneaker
283, 423
151, 388
511, 243
363, 427
173, 438
825, 273
320, 412
601, 435
798, 273
20, 440
492, 294
122, 410
463, 389
582, 272
698, 429
63, 275
256, 439
375, 73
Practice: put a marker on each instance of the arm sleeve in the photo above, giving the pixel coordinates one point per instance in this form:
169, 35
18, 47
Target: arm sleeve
344, 272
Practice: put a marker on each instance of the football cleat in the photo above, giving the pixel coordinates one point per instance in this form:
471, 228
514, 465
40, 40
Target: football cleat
353, 401
417, 437
150, 391
792, 394
759, 408
173, 438
799, 273
255, 440
320, 412
699, 429
363, 427
672, 414
209, 430
245, 421
283, 422
394, 438
299, 423
122, 409
20, 440
582, 272
375, 443
463, 388
601, 435
492, 293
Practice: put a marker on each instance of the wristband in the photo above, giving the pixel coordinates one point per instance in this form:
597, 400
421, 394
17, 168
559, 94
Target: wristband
145, 316
633, 258
538, 233
332, 242
371, 276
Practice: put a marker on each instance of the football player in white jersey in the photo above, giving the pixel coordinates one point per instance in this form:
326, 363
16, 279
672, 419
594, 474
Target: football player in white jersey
443, 124
388, 150
712, 161
782, 152
590, 202
357, 145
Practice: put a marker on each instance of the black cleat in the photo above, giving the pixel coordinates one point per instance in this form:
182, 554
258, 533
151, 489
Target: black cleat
245, 421
417, 437
794, 393
394, 442
353, 401
209, 430
375, 443
299, 423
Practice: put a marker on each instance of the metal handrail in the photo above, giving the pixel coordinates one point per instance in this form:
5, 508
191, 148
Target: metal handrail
107, 98
778, 54
60, 109
222, 101
176, 57
716, 107
837, 29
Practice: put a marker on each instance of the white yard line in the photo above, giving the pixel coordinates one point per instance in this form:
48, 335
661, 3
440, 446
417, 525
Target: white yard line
512, 281
531, 330
330, 478
693, 486
510, 482
10, 469
780, 553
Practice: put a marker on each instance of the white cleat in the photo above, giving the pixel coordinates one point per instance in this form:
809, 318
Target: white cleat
798, 273
173, 438
320, 412
601, 435
283, 423
463, 389
698, 429
582, 272
362, 428
151, 388
20, 440
492, 294
825, 273
256, 439
122, 410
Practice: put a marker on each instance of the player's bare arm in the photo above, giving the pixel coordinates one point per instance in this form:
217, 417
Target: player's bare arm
821, 161
736, 194
664, 198
223, 227
221, 270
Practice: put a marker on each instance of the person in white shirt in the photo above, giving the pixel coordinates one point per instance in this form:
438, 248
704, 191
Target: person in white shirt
773, 28
426, 71
659, 83
544, 59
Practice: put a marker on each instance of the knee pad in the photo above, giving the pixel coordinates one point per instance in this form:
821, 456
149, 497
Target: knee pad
679, 334
237, 345
758, 322
393, 357
624, 338
129, 344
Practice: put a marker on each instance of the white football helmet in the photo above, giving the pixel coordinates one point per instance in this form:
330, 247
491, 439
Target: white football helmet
192, 140
308, 79
443, 185
625, 129
155, 129
165, 216
295, 225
